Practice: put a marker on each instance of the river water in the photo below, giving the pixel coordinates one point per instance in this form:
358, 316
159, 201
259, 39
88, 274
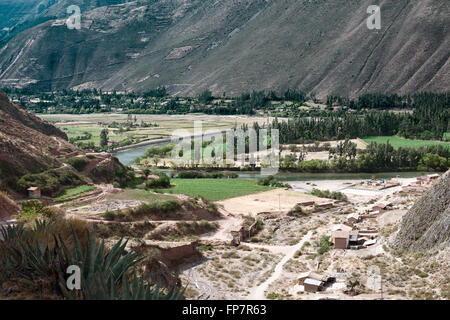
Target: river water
127, 158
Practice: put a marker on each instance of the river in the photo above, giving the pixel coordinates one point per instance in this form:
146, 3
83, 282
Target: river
127, 158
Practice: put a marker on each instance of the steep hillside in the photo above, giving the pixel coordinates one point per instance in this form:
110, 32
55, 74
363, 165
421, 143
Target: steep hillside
27, 143
233, 46
427, 224
19, 15
35, 153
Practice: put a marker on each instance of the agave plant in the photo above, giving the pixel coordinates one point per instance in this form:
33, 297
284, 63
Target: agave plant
11, 233
105, 274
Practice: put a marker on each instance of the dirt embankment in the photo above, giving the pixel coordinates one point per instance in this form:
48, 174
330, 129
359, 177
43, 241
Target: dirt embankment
7, 207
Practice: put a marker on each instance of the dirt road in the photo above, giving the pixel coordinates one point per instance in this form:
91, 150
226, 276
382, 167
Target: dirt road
258, 292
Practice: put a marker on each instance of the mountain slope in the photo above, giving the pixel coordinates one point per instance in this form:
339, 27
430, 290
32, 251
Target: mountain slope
27, 143
18, 15
234, 46
35, 153
427, 224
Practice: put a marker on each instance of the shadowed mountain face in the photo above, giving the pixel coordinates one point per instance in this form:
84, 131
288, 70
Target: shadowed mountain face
427, 224
234, 46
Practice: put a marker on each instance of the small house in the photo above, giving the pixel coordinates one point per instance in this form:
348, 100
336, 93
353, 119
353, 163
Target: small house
353, 218
314, 282
313, 285
340, 239
34, 193
382, 206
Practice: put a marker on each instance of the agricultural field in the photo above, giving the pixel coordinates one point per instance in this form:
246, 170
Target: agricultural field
73, 193
215, 189
398, 142
77, 125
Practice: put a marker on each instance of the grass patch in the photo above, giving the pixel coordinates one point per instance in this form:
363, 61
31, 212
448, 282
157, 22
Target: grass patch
73, 193
216, 189
397, 142
140, 195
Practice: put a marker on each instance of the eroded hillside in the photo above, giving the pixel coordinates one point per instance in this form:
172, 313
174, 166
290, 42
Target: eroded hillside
427, 224
27, 143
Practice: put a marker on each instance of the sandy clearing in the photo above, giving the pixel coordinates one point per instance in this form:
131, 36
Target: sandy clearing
258, 292
269, 201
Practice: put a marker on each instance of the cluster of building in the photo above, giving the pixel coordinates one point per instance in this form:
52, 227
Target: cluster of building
349, 236
380, 184
419, 185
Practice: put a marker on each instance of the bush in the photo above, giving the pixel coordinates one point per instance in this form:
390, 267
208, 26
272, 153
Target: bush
202, 175
34, 209
324, 245
157, 208
163, 181
190, 175
158, 151
272, 182
297, 211
50, 181
109, 215
78, 163
329, 195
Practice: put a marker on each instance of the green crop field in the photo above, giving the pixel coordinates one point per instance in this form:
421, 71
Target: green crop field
73, 193
397, 142
216, 189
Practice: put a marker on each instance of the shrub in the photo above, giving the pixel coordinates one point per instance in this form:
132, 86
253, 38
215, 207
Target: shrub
272, 182
78, 163
297, 211
34, 209
324, 245
163, 181
157, 208
329, 195
108, 215
50, 181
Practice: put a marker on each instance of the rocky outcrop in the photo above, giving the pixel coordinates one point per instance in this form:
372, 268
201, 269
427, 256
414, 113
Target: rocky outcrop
427, 224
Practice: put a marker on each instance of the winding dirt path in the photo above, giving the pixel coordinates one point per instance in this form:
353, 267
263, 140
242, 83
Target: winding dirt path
257, 293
